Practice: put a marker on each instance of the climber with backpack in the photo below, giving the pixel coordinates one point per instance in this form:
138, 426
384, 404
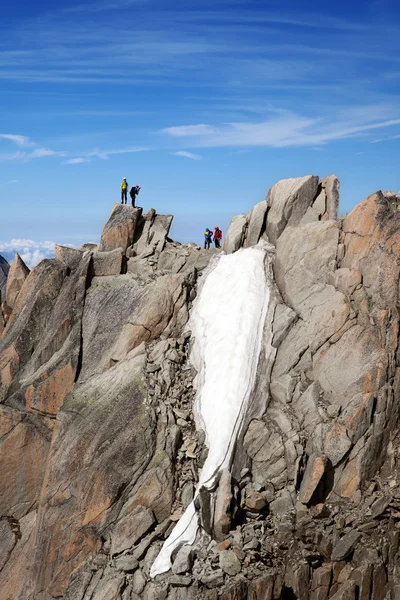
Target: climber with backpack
217, 237
134, 192
124, 190
207, 238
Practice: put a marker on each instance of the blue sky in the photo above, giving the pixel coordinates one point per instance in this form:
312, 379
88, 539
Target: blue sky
206, 104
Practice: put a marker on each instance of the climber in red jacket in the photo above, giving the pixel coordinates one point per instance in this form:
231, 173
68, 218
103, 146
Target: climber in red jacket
217, 237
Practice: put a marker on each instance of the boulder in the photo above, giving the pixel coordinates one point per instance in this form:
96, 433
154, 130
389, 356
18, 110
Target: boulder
299, 269
372, 244
88, 247
336, 443
152, 232
265, 447
255, 501
234, 236
256, 224
345, 546
222, 514
183, 560
346, 591
126, 563
283, 318
107, 263
330, 185
16, 278
131, 528
229, 562
119, 231
322, 578
140, 268
314, 472
138, 582
199, 259
288, 201
306, 408
67, 255
213, 579
346, 280
109, 585
351, 367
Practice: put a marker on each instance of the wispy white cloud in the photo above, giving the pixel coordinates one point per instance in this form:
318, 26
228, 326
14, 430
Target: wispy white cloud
187, 155
105, 154
73, 51
20, 140
23, 141
385, 139
42, 152
282, 131
30, 251
188, 130
76, 161
26, 156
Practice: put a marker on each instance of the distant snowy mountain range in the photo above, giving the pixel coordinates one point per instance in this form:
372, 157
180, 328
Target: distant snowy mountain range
30, 251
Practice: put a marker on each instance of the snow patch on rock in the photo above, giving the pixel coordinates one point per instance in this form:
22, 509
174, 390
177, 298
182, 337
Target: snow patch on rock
227, 326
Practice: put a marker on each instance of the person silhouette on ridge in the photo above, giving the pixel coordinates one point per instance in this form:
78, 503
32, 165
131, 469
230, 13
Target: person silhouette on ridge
134, 192
124, 190
217, 237
207, 238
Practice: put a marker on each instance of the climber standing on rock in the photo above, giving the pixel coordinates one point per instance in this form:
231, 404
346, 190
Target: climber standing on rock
207, 238
134, 192
124, 190
217, 237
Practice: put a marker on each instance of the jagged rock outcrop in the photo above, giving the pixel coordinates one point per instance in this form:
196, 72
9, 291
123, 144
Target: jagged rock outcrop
119, 231
16, 276
4, 269
99, 453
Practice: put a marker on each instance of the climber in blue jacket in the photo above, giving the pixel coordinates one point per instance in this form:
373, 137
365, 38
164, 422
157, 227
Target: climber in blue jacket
207, 238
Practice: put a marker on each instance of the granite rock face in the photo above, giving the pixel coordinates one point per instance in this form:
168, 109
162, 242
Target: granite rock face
16, 276
119, 231
99, 453
4, 269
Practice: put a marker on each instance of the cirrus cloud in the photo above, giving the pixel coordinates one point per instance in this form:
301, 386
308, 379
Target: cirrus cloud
187, 155
20, 140
77, 161
289, 129
33, 150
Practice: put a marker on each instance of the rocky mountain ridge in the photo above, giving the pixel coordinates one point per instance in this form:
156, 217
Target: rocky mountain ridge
99, 450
